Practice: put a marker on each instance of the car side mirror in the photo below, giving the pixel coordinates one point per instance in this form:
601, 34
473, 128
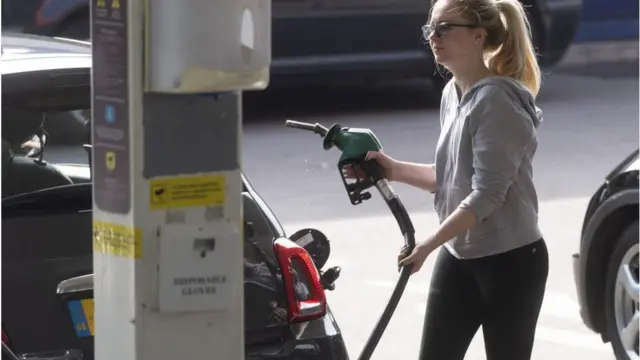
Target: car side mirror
315, 243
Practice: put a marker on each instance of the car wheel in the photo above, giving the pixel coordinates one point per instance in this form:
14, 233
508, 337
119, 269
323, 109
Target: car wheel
622, 292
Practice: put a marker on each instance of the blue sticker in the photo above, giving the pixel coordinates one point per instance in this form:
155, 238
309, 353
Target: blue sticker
80, 323
110, 114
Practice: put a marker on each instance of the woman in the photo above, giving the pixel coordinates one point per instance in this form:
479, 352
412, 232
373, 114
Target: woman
493, 267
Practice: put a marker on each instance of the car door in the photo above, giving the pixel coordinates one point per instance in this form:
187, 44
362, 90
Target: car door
380, 30
18, 14
46, 235
289, 33
46, 239
612, 10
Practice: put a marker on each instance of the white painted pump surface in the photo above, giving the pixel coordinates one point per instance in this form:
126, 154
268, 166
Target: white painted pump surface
213, 46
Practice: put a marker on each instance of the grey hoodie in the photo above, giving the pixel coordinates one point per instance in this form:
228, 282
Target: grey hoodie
483, 163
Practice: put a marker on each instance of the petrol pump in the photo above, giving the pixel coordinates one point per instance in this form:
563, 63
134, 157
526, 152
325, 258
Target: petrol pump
167, 108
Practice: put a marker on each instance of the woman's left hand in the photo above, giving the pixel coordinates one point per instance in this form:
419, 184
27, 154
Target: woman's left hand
417, 256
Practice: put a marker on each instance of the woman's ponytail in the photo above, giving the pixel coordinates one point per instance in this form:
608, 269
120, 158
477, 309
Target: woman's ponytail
516, 57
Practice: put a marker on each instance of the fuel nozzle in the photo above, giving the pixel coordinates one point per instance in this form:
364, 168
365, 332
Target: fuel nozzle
354, 144
316, 128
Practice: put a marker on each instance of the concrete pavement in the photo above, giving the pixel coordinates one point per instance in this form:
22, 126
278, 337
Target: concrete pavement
365, 248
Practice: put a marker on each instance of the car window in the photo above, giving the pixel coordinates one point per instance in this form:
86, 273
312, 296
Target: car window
18, 126
62, 127
21, 146
265, 299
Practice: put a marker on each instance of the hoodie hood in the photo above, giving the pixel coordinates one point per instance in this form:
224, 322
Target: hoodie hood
518, 92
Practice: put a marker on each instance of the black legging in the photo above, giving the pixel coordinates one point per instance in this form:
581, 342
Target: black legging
503, 293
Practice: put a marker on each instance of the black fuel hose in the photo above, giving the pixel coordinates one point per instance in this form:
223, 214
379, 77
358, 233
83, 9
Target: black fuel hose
408, 231
374, 175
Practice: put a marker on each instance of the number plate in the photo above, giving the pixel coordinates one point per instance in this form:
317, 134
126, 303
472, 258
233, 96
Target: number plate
82, 317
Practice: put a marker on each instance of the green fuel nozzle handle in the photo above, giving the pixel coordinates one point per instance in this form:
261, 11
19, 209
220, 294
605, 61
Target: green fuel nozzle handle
353, 143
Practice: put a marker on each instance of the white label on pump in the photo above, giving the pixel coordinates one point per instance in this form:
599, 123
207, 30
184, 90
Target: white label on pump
197, 272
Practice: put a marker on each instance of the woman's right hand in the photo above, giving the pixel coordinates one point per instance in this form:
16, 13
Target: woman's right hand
388, 164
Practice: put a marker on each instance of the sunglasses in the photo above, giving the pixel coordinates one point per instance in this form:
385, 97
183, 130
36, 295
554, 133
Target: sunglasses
441, 29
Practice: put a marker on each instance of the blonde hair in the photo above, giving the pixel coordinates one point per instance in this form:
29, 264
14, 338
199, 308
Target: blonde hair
508, 46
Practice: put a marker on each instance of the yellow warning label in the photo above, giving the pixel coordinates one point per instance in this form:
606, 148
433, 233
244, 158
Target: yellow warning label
192, 191
117, 239
110, 159
115, 4
101, 3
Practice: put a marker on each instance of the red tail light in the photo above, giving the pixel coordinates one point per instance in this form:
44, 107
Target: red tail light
313, 305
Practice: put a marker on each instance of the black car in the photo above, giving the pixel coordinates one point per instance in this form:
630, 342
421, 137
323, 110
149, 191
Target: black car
606, 267
329, 41
47, 230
